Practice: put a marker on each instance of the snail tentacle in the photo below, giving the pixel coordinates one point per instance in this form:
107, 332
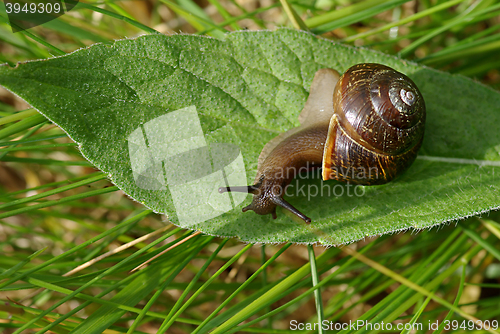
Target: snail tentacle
240, 189
285, 205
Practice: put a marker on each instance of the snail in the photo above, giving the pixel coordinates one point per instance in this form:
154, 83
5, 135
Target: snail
364, 127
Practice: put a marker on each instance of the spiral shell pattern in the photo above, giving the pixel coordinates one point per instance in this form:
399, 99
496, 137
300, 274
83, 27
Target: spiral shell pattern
377, 126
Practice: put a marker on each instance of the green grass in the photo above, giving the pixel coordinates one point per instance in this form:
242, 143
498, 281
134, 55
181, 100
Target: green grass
58, 212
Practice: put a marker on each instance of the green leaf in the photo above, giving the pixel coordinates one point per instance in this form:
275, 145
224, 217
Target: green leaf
245, 90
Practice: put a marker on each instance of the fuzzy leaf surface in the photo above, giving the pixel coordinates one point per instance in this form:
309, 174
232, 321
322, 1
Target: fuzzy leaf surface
246, 89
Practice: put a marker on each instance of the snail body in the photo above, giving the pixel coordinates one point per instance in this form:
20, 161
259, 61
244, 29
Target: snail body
364, 127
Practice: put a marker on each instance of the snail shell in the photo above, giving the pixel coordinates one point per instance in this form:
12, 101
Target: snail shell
377, 126
364, 128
